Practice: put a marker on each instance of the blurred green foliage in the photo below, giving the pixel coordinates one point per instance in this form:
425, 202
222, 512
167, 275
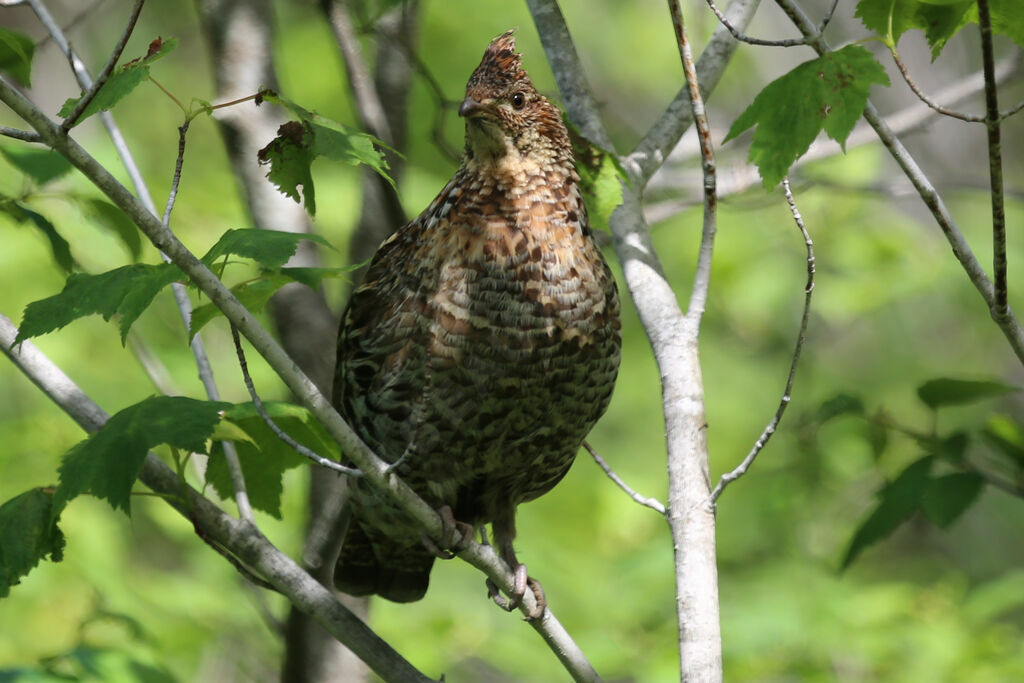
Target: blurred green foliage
892, 310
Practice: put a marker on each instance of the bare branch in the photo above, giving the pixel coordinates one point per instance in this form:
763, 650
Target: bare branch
762, 440
923, 97
26, 135
662, 137
791, 42
652, 503
560, 50
238, 537
995, 162
702, 274
104, 74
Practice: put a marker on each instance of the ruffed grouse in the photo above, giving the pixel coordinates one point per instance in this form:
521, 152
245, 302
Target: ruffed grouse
483, 344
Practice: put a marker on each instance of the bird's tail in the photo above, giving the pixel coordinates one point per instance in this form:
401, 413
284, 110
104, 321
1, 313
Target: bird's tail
373, 566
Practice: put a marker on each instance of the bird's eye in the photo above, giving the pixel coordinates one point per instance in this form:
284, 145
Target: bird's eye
518, 100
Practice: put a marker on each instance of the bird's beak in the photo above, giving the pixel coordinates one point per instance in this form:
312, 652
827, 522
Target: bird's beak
470, 107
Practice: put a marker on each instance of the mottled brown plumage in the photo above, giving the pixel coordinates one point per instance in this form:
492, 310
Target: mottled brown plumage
484, 342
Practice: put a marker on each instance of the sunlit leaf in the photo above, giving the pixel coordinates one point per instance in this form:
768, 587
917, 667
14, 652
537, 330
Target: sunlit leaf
107, 464
270, 248
122, 81
253, 295
828, 93
265, 457
28, 534
126, 291
298, 143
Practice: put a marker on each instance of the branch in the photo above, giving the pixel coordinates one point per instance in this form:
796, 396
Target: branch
1006, 320
107, 68
26, 135
672, 336
368, 104
791, 42
732, 476
995, 162
702, 274
375, 469
278, 432
652, 503
923, 97
662, 137
239, 537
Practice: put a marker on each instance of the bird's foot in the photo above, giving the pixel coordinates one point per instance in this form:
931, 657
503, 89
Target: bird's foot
519, 584
450, 530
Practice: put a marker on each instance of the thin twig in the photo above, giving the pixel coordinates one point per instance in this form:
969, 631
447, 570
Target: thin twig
198, 352
26, 135
923, 97
762, 440
652, 503
280, 433
104, 74
702, 275
789, 42
995, 162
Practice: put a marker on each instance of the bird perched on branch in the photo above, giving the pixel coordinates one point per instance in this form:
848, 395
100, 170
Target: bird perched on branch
483, 344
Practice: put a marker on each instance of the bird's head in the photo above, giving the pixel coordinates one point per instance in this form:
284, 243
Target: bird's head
506, 116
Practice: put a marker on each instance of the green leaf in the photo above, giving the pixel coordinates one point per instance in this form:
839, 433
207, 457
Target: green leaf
28, 534
1007, 19
264, 457
116, 221
828, 93
942, 21
299, 143
1007, 437
948, 392
58, 245
122, 81
253, 295
16, 50
945, 498
877, 14
838, 405
42, 165
107, 464
126, 291
290, 156
878, 434
269, 248
899, 500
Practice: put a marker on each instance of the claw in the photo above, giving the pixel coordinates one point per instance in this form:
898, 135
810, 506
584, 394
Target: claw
515, 599
450, 527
